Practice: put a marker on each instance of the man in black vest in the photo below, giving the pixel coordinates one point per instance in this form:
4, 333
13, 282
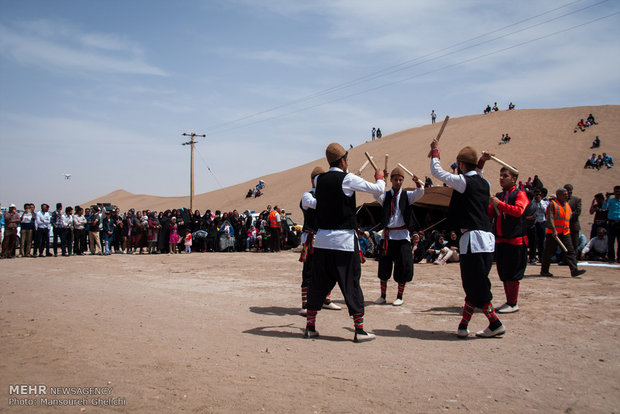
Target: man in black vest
337, 256
468, 212
396, 247
308, 207
507, 209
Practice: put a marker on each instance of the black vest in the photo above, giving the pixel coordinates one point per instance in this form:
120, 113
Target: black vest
334, 210
403, 206
512, 226
468, 210
309, 219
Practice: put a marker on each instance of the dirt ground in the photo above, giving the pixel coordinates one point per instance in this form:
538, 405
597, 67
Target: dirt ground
220, 332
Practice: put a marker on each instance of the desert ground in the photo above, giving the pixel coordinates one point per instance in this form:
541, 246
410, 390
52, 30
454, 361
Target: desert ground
220, 333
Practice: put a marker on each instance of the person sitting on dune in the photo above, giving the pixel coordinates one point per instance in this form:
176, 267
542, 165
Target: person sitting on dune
591, 162
581, 126
608, 160
596, 143
590, 121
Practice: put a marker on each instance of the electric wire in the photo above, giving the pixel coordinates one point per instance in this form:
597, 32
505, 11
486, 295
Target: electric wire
407, 64
417, 75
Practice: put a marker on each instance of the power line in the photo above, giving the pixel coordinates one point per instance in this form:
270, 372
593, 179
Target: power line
417, 75
407, 64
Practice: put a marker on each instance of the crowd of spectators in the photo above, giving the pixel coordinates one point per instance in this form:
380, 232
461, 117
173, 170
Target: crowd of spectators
101, 231
599, 161
495, 108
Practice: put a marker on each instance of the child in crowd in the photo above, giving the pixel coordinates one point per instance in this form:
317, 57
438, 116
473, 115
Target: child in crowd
174, 235
188, 243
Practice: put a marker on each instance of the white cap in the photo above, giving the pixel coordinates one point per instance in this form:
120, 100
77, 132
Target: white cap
12, 205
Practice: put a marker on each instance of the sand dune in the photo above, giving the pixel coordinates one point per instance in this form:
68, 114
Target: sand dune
543, 143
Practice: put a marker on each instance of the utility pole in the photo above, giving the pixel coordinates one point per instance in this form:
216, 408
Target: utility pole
191, 171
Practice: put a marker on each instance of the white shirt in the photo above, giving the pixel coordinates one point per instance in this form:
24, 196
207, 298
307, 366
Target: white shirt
397, 219
479, 241
67, 221
42, 220
540, 210
345, 240
307, 201
79, 222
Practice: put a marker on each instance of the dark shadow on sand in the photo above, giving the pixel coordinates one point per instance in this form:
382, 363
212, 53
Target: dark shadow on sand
274, 310
405, 331
296, 333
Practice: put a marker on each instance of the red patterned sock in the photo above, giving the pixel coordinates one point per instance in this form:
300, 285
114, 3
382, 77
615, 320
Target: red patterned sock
311, 319
489, 312
512, 294
383, 288
304, 296
358, 320
401, 289
328, 298
468, 311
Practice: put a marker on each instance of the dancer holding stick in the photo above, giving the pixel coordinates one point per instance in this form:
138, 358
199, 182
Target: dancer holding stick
506, 209
558, 231
337, 257
395, 248
468, 212
415, 179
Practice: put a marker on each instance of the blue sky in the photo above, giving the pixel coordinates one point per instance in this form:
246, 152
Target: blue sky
104, 90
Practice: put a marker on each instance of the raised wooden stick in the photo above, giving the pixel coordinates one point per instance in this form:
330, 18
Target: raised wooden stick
386, 161
370, 160
509, 167
443, 126
557, 239
364, 165
410, 173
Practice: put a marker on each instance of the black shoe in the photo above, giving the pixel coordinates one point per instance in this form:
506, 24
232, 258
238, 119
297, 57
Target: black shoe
578, 273
546, 274
311, 333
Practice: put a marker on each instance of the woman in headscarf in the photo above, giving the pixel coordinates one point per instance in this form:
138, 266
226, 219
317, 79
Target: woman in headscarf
128, 232
139, 238
152, 233
227, 237
164, 232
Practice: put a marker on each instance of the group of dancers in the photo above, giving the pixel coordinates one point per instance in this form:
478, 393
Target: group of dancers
331, 253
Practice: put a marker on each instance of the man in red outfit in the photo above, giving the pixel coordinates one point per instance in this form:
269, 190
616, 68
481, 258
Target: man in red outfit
506, 209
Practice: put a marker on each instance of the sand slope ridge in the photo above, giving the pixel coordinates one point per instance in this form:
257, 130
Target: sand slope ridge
543, 143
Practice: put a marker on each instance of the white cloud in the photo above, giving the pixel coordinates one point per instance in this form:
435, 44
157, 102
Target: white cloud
65, 48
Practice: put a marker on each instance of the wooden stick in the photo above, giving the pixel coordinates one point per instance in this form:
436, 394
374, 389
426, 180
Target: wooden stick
364, 165
509, 167
557, 239
386, 161
410, 173
371, 161
443, 126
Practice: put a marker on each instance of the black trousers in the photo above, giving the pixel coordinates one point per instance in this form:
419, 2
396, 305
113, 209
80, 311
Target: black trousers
79, 241
275, 238
475, 268
398, 253
551, 246
335, 266
42, 241
511, 261
613, 233
56, 239
66, 241
306, 271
